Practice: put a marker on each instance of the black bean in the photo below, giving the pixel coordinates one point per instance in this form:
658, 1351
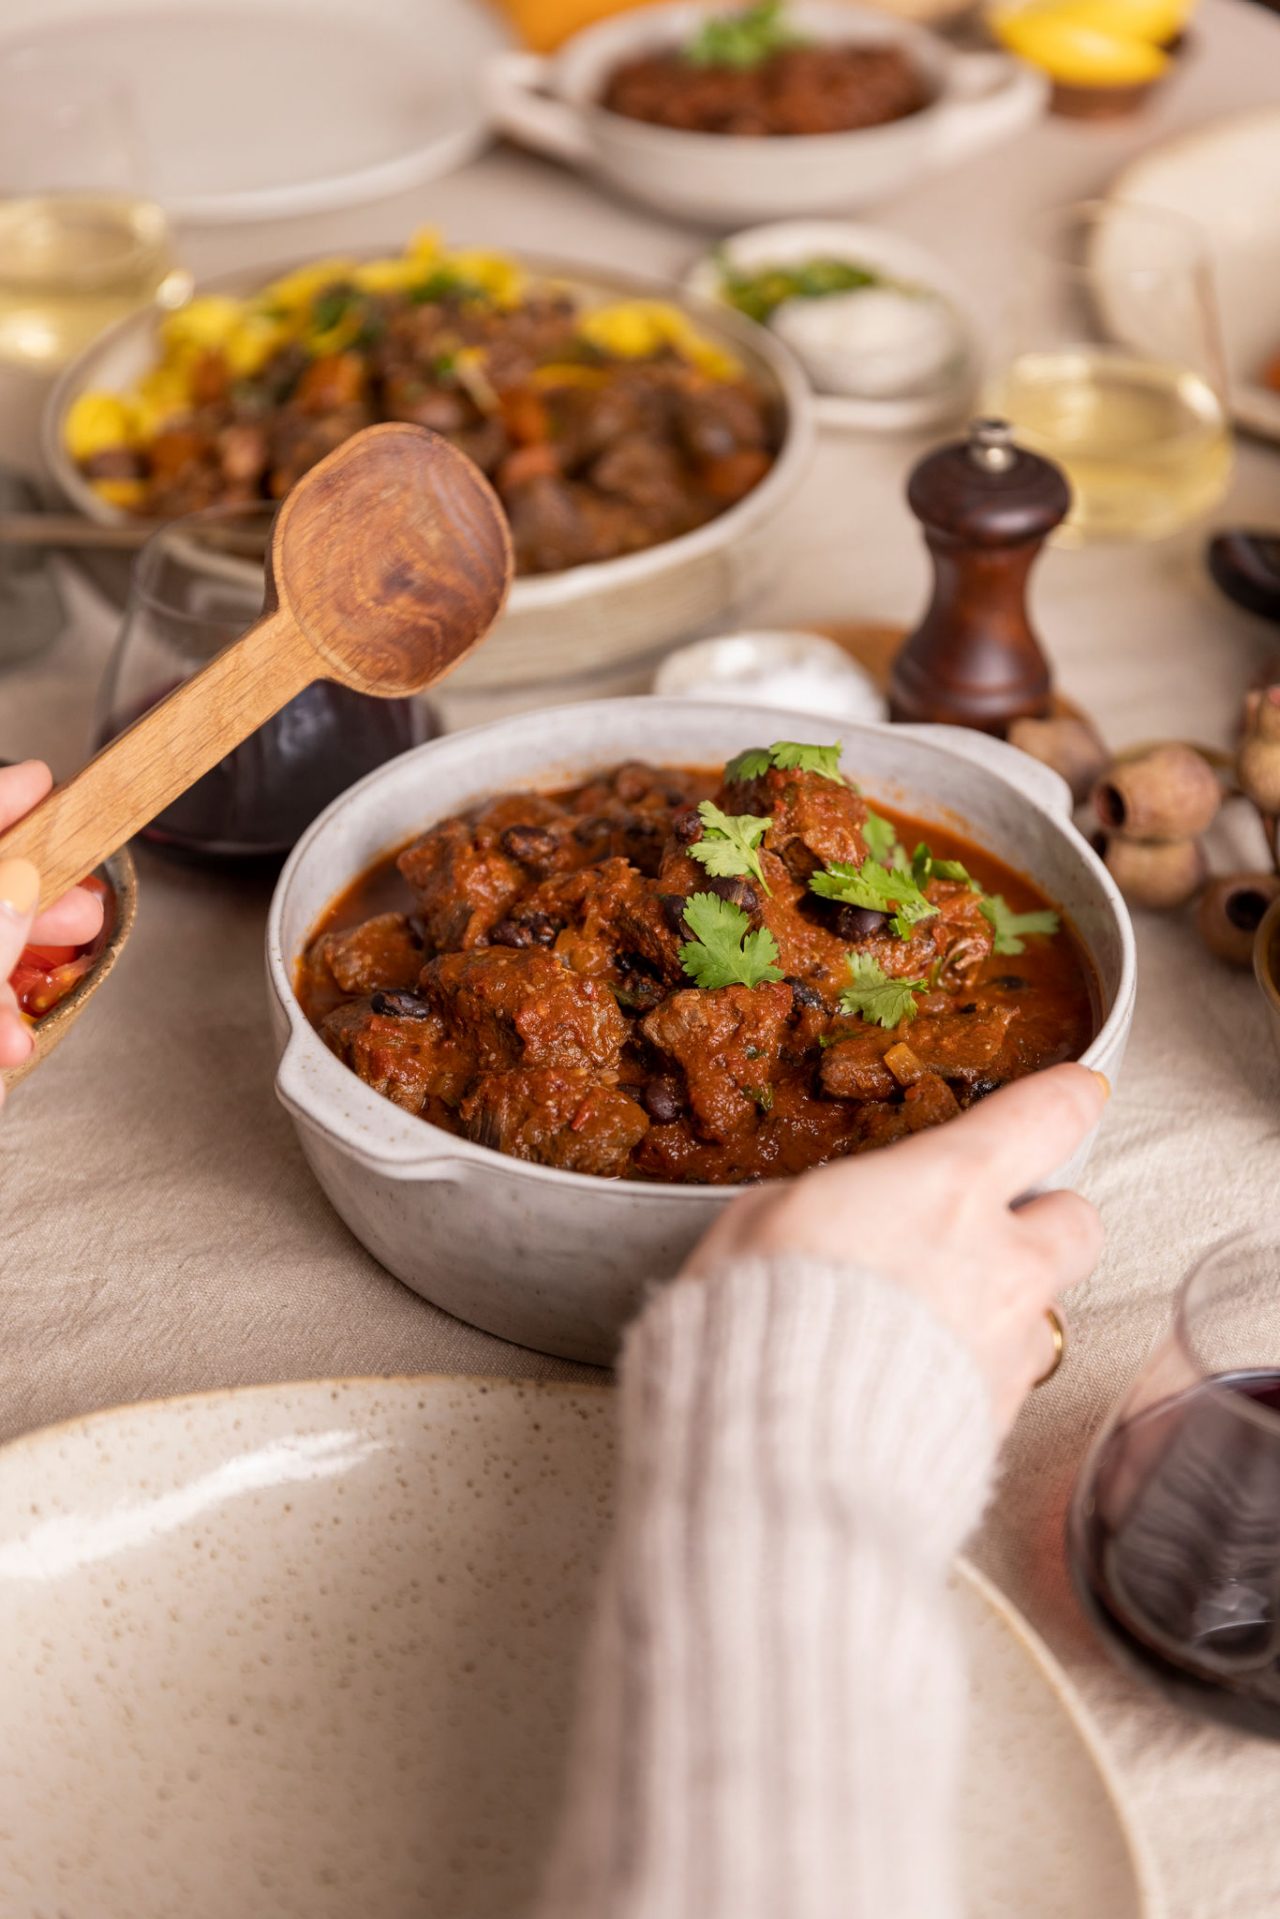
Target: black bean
400, 1006
663, 1101
673, 905
534, 929
738, 893
858, 922
529, 844
971, 1006
803, 994
592, 832
979, 1088
686, 827
1010, 982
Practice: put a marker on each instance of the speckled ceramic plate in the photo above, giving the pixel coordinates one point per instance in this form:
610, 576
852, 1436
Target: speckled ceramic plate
308, 1650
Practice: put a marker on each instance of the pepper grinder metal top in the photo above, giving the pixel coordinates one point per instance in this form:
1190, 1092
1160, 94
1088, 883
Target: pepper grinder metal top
987, 506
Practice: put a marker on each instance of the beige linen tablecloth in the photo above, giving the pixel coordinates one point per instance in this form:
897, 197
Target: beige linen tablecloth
159, 1232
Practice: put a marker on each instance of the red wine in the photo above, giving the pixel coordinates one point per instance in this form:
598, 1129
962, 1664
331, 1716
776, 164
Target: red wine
258, 800
1175, 1547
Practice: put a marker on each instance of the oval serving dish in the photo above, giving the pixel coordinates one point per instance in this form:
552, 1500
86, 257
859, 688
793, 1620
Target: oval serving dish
588, 619
557, 1260
53, 1027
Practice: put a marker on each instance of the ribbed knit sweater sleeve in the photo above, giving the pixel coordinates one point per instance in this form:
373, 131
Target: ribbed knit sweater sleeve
771, 1719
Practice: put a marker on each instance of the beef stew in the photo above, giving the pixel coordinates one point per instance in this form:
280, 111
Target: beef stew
693, 976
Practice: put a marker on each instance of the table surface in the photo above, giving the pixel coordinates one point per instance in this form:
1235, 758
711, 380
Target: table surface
160, 1233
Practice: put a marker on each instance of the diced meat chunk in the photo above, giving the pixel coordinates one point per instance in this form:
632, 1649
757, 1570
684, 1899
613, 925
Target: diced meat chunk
575, 1121
928, 1101
381, 952
815, 821
961, 1045
406, 1060
514, 1007
854, 1067
728, 1044
463, 886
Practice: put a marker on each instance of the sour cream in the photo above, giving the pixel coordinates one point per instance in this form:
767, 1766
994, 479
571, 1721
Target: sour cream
875, 342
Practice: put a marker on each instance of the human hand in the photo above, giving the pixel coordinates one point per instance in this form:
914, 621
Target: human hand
73, 920
934, 1214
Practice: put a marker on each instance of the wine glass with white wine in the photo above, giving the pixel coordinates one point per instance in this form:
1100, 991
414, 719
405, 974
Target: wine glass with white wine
81, 241
1113, 367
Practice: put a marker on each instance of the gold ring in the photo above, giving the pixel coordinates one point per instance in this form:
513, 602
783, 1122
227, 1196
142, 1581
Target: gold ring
1059, 1335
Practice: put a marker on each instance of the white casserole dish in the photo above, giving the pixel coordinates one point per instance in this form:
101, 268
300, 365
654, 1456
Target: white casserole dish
727, 180
587, 619
555, 1260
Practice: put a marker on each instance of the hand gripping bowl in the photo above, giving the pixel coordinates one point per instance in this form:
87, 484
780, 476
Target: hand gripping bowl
556, 1260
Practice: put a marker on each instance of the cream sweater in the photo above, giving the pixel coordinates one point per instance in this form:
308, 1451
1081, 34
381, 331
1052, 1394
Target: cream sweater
771, 1719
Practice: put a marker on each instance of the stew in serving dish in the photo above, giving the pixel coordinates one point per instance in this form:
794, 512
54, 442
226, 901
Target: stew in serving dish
605, 429
693, 975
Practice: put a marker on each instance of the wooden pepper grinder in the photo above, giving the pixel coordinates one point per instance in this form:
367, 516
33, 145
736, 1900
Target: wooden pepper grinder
987, 507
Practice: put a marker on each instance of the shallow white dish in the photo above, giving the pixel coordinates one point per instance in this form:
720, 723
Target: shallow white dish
257, 109
781, 243
773, 669
309, 1651
1226, 178
554, 625
726, 180
557, 1260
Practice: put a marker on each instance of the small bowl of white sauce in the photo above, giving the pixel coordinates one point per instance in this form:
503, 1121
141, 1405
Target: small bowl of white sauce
801, 671
886, 335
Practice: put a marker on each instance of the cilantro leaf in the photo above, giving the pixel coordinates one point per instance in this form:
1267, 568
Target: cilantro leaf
883, 889
881, 836
749, 765
1010, 926
925, 867
730, 843
741, 39
788, 756
876, 997
724, 952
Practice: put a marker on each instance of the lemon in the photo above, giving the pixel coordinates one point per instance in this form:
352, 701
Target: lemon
1076, 52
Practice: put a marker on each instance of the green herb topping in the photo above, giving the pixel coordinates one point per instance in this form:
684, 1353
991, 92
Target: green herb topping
759, 294
1009, 926
724, 950
876, 997
881, 836
891, 890
924, 867
788, 756
743, 39
730, 843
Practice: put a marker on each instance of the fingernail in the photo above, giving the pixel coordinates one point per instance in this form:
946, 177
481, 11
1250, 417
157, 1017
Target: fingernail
1103, 1082
19, 888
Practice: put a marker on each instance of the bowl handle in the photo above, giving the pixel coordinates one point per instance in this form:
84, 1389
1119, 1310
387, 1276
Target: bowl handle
516, 87
1039, 782
394, 1159
994, 97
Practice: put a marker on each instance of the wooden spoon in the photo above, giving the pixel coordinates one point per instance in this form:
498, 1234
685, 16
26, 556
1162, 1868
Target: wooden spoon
389, 562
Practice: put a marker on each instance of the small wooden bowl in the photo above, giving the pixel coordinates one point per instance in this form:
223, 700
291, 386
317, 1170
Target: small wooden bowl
120, 875
1266, 965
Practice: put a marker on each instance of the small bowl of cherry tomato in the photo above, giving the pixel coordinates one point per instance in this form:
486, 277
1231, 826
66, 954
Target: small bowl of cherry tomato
54, 984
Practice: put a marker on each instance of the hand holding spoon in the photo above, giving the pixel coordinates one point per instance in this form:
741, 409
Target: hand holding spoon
389, 562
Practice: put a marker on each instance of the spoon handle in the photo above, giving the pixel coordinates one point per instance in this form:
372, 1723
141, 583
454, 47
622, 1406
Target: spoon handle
166, 750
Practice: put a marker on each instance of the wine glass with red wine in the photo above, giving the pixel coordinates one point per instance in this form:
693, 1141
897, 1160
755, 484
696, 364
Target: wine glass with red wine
196, 585
1174, 1533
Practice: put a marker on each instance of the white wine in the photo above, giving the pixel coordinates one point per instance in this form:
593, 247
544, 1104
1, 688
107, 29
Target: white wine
71, 264
1145, 444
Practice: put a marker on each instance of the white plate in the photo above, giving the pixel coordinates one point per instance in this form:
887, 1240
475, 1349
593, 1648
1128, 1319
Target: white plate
308, 1650
784, 241
1226, 177
252, 109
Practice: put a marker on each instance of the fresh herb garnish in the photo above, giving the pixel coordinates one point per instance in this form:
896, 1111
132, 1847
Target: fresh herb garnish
761, 293
724, 951
331, 306
876, 997
881, 836
924, 867
444, 284
730, 843
788, 756
882, 889
1009, 926
742, 39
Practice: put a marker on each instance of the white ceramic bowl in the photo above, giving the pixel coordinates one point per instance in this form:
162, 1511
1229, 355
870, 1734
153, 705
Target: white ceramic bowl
556, 1260
726, 180
933, 401
555, 625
